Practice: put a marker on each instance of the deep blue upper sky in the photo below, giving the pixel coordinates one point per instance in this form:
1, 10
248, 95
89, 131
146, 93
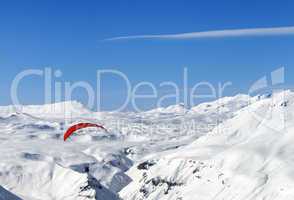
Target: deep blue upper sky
68, 35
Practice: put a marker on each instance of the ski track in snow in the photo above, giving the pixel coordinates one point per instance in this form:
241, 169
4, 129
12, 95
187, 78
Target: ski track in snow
236, 157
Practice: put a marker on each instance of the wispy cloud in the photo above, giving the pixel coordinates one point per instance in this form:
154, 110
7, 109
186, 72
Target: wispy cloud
273, 31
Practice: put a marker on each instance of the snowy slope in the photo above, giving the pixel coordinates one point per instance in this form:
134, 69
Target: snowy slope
242, 158
211, 151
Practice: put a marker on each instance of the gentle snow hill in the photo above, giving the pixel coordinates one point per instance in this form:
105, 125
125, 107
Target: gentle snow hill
249, 156
62, 109
36, 164
173, 109
225, 104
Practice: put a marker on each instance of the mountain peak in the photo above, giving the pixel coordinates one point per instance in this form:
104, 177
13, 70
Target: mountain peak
66, 108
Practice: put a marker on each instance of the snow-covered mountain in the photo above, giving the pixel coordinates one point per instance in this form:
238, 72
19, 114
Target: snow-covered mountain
242, 158
233, 148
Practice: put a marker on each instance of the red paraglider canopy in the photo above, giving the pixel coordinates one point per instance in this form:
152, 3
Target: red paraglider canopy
79, 126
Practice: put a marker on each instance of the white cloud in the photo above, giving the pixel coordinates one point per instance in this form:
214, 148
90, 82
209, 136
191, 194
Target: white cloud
273, 31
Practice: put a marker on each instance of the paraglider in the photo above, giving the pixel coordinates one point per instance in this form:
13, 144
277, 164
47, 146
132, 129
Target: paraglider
79, 126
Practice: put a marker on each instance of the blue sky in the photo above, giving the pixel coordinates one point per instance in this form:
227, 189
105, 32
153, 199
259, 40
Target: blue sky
69, 35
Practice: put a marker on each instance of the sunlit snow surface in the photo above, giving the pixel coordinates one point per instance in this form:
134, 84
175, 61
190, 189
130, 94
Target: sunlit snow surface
234, 148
